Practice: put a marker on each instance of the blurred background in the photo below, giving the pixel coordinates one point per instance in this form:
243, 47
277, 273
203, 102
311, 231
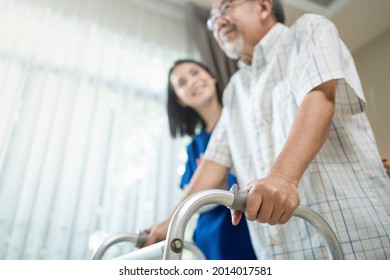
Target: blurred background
85, 150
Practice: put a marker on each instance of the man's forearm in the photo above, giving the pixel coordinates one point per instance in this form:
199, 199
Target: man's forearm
308, 133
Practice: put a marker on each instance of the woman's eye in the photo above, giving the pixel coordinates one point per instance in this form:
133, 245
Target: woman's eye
194, 72
181, 82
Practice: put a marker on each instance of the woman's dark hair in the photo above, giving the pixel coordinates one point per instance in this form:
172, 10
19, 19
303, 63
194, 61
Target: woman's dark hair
184, 120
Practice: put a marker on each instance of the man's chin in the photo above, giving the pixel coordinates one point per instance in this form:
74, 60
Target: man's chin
232, 55
232, 48
231, 51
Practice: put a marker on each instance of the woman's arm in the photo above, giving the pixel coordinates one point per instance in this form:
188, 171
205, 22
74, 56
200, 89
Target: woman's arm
208, 175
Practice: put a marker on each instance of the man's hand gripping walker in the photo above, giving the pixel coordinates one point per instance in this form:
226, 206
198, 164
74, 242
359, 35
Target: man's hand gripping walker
236, 199
172, 247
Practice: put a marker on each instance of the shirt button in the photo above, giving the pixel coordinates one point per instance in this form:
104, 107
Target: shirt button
274, 241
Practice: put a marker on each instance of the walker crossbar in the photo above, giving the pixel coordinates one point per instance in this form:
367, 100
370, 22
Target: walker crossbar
236, 198
152, 252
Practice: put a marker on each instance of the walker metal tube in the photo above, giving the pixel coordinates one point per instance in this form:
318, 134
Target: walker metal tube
174, 245
152, 252
117, 238
156, 252
332, 244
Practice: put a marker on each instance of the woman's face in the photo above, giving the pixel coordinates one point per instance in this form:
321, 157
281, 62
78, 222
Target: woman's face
193, 85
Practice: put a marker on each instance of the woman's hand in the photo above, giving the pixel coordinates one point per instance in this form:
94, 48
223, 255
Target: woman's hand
157, 233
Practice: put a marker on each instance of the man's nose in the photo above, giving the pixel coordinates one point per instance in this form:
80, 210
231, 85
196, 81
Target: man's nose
220, 22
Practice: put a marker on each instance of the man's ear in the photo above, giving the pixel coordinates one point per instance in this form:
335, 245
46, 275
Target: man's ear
266, 8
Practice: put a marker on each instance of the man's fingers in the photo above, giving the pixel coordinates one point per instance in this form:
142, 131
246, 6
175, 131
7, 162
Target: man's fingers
285, 217
236, 216
276, 216
253, 204
265, 211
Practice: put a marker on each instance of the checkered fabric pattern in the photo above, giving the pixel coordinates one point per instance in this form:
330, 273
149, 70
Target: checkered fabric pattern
346, 182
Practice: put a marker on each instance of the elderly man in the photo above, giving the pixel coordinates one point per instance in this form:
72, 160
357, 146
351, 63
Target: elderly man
293, 130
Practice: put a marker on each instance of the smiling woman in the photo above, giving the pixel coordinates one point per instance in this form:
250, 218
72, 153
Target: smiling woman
82, 127
194, 107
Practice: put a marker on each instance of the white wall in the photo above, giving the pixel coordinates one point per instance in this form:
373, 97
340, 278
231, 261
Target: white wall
373, 62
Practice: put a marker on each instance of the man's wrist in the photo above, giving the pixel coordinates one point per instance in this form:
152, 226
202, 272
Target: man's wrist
287, 178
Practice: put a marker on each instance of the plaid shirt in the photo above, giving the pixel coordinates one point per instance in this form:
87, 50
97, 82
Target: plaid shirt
346, 182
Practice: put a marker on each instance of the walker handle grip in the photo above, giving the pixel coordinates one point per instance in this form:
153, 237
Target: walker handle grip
240, 197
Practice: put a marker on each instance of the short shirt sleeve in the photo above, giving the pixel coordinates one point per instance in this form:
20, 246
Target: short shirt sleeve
321, 56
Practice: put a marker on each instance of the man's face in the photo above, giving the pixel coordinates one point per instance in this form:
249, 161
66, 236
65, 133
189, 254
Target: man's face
240, 24
225, 30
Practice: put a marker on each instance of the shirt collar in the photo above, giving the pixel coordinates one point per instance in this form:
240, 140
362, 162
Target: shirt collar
265, 48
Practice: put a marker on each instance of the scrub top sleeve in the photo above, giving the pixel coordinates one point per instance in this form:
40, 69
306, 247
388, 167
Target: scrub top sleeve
189, 171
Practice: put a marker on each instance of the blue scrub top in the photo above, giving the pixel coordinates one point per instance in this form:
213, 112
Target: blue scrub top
214, 234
